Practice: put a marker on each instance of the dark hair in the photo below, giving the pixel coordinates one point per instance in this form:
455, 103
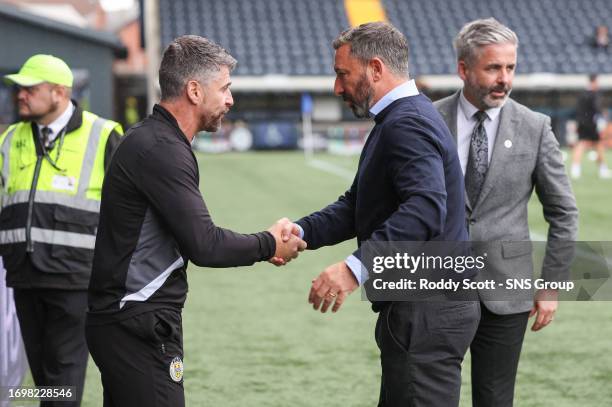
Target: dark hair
380, 40
190, 57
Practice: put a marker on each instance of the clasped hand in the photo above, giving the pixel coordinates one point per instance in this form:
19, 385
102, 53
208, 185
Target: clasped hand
288, 243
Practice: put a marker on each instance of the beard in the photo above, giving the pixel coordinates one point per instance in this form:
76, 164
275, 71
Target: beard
360, 100
213, 123
487, 100
30, 116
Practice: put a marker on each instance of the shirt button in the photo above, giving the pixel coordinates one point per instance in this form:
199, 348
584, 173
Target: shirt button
472, 221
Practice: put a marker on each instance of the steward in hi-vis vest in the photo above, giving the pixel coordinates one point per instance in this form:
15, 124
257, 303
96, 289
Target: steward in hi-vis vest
52, 166
51, 200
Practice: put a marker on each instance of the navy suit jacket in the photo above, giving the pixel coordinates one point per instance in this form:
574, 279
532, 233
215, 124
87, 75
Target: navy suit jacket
408, 186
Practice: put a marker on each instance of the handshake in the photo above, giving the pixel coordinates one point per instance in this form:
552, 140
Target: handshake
288, 241
331, 287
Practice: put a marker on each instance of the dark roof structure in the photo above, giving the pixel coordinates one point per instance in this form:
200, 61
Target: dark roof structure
97, 37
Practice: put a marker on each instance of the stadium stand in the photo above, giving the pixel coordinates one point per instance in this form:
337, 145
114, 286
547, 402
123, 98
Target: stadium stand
293, 37
284, 50
266, 36
555, 35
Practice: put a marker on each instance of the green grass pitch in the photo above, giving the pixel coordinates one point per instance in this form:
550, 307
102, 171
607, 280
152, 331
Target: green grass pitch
251, 339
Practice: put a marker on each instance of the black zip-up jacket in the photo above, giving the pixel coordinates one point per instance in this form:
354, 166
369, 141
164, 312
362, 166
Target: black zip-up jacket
153, 220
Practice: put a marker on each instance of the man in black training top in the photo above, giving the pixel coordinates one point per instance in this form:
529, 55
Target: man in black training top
153, 221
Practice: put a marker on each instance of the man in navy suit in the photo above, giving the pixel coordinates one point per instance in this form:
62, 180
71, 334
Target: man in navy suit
408, 187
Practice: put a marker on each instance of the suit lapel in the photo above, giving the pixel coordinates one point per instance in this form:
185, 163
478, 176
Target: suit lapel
505, 139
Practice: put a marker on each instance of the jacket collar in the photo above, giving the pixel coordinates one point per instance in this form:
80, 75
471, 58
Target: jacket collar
76, 120
381, 116
163, 115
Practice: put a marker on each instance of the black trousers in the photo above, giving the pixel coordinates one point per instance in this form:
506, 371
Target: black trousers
140, 359
495, 352
422, 345
52, 325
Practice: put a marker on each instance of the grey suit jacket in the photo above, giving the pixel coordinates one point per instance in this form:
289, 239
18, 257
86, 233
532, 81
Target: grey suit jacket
525, 156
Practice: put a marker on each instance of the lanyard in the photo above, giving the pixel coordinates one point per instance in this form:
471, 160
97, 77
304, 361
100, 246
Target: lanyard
47, 156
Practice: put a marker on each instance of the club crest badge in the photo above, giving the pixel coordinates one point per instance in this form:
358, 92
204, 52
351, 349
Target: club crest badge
176, 369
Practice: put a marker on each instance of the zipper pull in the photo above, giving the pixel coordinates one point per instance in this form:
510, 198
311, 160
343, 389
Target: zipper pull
163, 349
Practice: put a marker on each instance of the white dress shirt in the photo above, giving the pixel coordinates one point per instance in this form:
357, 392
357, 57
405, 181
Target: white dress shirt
465, 126
404, 90
58, 124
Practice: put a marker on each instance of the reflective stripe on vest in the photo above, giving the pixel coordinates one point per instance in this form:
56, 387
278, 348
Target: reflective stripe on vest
90, 156
49, 197
50, 236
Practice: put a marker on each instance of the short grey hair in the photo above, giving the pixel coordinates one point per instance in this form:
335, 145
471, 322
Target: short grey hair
479, 33
377, 39
190, 57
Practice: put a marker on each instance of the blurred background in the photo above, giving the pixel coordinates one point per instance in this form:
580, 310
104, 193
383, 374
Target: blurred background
289, 147
284, 78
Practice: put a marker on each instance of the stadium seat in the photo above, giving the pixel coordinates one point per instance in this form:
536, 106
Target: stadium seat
294, 37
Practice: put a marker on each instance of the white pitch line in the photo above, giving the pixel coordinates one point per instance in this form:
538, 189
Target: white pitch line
331, 168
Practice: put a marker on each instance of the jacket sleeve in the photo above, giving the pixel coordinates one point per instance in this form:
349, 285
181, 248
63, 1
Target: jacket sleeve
333, 224
559, 206
111, 145
169, 179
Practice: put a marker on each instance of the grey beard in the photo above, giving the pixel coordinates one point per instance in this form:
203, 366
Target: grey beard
361, 111
495, 103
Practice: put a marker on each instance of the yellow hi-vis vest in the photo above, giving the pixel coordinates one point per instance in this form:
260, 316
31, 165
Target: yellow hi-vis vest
51, 202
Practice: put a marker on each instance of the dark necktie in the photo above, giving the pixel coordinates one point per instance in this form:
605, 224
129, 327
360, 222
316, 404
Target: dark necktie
478, 159
45, 132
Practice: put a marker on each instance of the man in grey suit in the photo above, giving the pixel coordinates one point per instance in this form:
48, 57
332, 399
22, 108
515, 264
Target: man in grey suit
506, 150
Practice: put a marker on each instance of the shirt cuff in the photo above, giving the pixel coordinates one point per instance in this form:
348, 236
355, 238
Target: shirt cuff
301, 230
356, 267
